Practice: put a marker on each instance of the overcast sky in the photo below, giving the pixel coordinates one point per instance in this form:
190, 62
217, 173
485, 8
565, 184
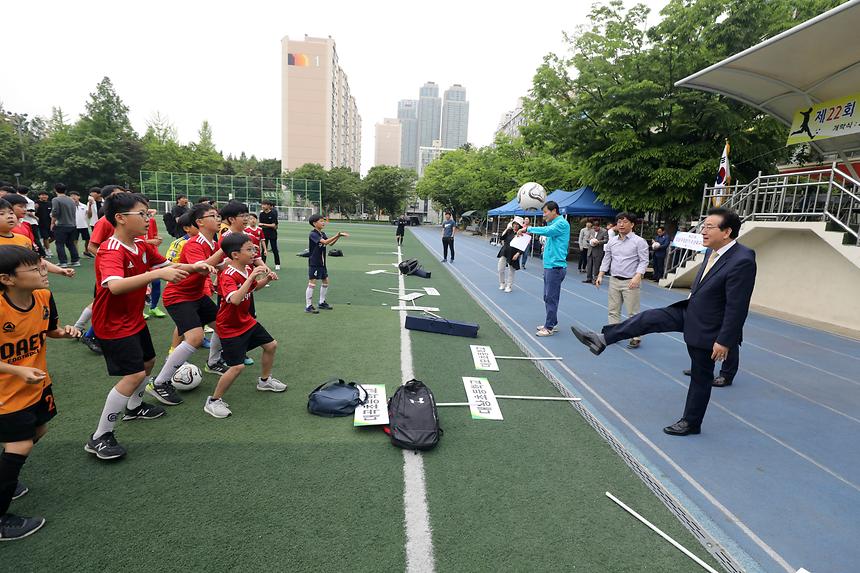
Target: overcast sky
221, 61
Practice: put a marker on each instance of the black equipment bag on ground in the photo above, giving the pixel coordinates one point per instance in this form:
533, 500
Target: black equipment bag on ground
335, 253
412, 417
306, 254
412, 267
336, 398
442, 326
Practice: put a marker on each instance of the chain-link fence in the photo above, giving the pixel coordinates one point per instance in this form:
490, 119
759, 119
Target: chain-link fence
296, 199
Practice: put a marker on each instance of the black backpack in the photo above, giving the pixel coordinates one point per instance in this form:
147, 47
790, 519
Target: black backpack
413, 267
412, 417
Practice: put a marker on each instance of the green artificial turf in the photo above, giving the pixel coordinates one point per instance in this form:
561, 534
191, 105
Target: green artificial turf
273, 488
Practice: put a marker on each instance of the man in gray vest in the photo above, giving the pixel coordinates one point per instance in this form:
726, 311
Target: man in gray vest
596, 240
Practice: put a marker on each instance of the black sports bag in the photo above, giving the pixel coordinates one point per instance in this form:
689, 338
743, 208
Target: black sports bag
336, 398
412, 417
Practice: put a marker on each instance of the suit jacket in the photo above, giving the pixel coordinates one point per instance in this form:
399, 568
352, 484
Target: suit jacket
719, 303
602, 237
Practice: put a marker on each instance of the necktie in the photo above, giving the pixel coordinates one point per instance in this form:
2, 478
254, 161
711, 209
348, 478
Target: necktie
711, 260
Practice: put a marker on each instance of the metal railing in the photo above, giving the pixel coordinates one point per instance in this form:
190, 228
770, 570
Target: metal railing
829, 195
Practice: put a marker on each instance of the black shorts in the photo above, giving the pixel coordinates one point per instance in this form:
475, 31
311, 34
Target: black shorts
21, 425
46, 232
127, 355
193, 314
233, 350
316, 272
399, 232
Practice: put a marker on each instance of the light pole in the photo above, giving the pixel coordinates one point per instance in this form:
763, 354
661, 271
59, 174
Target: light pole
17, 181
18, 120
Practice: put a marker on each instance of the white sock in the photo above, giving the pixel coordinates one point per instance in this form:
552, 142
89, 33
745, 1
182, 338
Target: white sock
309, 296
114, 404
214, 348
85, 317
177, 358
136, 399
323, 290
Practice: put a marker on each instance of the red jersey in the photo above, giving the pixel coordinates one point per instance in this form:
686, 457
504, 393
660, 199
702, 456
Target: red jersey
102, 231
192, 287
234, 319
23, 228
152, 230
255, 234
118, 316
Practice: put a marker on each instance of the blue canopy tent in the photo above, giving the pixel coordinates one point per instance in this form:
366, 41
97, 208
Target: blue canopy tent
582, 202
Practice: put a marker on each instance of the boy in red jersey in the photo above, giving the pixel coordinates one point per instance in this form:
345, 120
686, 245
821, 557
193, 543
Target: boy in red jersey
190, 307
238, 329
26, 400
254, 231
124, 266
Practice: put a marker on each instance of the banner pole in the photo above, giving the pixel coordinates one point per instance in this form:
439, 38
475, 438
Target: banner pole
531, 357
654, 528
557, 398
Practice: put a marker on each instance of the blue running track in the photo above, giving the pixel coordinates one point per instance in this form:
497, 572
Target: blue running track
776, 469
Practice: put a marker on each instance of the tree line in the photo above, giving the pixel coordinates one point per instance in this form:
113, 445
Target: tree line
102, 147
607, 112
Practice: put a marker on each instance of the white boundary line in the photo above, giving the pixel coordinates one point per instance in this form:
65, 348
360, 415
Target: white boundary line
419, 536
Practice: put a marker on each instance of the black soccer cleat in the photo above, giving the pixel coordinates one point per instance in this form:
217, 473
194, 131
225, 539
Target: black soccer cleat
220, 368
105, 447
92, 344
143, 412
20, 491
164, 393
311, 310
325, 306
13, 527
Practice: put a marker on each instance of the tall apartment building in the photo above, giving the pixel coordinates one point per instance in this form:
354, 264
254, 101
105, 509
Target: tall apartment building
429, 114
455, 117
319, 117
512, 121
407, 113
387, 150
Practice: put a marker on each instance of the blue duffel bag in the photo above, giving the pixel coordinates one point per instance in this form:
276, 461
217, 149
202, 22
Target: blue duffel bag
336, 398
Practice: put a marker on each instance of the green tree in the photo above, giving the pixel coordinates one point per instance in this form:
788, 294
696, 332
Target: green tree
203, 157
388, 188
342, 190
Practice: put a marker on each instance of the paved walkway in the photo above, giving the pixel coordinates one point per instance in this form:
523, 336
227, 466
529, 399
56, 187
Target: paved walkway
777, 466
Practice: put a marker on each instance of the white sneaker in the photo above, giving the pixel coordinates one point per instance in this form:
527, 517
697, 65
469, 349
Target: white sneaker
270, 385
545, 332
216, 408
508, 289
208, 329
541, 327
501, 286
277, 267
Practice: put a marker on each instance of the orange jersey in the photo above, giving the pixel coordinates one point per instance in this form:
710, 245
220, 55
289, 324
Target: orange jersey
16, 240
22, 343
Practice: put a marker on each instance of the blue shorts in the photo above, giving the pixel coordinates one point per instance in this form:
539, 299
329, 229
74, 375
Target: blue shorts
317, 272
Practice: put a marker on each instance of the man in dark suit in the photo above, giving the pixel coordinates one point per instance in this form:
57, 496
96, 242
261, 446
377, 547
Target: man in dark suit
712, 318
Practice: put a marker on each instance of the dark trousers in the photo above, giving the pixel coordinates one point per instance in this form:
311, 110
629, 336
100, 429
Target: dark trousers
659, 266
65, 236
446, 243
272, 245
592, 268
552, 279
37, 240
83, 234
583, 259
729, 368
671, 319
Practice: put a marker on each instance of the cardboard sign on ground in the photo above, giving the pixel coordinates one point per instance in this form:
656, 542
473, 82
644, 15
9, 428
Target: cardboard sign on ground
482, 400
374, 412
484, 358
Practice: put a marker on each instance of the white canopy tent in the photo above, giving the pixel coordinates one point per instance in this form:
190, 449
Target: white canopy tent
816, 61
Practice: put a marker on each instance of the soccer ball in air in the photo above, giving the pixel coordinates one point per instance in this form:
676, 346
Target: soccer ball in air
187, 377
531, 196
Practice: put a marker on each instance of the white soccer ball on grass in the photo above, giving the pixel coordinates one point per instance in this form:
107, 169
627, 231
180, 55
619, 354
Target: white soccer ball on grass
187, 377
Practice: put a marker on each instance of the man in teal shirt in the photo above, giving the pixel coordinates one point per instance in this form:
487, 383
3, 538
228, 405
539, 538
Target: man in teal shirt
557, 233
